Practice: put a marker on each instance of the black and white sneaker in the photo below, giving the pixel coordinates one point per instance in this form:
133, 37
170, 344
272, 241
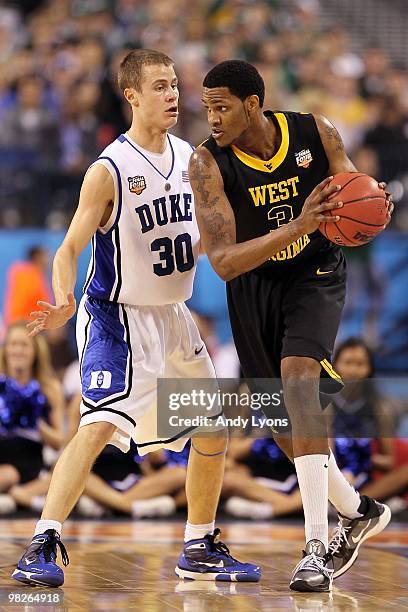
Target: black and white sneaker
315, 571
351, 533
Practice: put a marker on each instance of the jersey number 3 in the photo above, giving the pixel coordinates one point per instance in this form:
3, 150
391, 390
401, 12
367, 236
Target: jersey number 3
177, 254
280, 215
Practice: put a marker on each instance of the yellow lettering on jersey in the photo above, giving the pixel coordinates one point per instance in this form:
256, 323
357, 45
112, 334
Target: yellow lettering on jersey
272, 196
283, 190
292, 181
258, 194
292, 249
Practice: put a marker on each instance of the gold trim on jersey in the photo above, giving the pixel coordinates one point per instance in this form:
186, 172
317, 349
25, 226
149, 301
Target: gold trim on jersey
331, 371
272, 164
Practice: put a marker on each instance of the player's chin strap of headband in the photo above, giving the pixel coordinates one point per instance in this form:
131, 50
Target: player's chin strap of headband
209, 454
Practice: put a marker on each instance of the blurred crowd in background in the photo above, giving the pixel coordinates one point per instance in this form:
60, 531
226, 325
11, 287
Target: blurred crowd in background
60, 106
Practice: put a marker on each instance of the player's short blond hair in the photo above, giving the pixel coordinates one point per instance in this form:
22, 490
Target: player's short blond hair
131, 68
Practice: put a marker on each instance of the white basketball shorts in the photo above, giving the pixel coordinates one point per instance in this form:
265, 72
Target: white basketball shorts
123, 350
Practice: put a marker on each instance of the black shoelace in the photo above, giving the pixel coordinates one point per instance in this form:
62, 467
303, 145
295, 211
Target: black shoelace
50, 547
216, 545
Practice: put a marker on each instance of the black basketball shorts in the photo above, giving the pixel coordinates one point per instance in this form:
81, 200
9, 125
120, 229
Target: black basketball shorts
292, 312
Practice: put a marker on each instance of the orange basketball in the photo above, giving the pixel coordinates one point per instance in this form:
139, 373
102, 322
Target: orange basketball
364, 210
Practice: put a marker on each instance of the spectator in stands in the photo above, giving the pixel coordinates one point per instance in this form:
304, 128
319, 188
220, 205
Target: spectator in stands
79, 128
363, 427
389, 138
29, 126
27, 283
62, 352
31, 407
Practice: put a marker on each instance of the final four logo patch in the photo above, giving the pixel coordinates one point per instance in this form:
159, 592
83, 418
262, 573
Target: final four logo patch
137, 184
304, 158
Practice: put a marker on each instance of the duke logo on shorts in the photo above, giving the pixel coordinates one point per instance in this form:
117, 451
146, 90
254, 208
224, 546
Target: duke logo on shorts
100, 380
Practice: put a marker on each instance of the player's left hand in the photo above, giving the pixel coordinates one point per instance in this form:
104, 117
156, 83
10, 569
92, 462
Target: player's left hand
389, 201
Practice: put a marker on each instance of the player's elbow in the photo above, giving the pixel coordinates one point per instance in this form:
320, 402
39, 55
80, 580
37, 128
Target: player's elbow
67, 251
222, 265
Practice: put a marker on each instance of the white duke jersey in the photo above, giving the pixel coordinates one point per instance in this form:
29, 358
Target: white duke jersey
146, 254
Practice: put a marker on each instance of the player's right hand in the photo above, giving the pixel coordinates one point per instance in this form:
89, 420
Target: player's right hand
51, 317
316, 204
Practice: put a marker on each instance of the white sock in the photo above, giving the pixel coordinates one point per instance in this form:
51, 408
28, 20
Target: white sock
342, 494
43, 525
313, 475
196, 532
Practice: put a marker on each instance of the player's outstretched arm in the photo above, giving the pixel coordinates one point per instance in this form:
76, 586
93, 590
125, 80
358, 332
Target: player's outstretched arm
216, 220
97, 194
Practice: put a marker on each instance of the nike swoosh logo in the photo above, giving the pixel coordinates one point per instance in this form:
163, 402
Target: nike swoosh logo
220, 564
356, 540
198, 351
320, 272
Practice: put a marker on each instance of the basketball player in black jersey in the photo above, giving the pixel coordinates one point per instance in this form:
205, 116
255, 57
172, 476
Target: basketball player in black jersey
261, 186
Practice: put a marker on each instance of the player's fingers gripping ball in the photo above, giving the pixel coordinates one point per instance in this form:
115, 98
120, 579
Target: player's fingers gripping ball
363, 214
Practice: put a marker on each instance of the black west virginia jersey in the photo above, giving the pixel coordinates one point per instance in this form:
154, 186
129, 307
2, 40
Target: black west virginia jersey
265, 195
291, 305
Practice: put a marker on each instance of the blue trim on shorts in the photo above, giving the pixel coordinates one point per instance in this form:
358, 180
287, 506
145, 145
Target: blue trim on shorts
106, 355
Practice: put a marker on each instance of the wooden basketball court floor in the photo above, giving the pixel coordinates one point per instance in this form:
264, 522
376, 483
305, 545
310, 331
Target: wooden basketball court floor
125, 565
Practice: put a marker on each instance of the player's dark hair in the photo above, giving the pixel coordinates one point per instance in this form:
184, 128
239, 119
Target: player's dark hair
355, 342
241, 78
131, 68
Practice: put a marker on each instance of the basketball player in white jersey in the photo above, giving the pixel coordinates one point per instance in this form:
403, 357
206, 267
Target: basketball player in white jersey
136, 206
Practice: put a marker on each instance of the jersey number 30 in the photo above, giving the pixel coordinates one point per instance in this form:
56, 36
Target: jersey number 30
177, 254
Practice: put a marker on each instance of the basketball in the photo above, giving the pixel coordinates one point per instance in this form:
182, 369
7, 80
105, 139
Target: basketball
364, 210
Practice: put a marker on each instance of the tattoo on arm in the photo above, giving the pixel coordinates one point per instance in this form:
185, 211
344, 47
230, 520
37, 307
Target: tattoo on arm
334, 137
217, 228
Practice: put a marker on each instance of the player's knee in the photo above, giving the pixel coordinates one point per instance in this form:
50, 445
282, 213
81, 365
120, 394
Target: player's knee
299, 369
97, 435
9, 476
211, 446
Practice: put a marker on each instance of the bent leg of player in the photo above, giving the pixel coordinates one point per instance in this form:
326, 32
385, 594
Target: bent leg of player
204, 557
109, 366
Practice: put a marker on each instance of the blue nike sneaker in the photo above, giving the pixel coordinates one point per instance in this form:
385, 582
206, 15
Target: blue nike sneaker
38, 564
209, 559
